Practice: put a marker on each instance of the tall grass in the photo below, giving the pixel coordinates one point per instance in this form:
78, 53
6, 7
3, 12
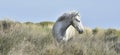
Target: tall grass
33, 39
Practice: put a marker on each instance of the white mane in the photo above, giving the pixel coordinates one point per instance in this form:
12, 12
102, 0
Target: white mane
67, 14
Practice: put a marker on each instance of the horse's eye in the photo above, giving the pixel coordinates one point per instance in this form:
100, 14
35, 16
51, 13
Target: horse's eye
77, 20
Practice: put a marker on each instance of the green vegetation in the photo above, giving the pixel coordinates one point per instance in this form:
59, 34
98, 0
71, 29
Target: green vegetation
36, 39
45, 23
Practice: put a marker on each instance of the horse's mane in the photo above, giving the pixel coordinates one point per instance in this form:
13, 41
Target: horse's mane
66, 15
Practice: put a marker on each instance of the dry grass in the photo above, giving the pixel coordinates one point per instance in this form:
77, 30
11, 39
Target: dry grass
30, 39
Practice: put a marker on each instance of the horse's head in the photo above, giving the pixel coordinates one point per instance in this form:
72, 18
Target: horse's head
60, 31
76, 23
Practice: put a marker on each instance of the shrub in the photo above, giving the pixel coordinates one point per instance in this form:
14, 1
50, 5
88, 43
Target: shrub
34, 39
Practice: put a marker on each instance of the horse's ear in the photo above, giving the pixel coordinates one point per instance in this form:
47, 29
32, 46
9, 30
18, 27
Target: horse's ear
77, 12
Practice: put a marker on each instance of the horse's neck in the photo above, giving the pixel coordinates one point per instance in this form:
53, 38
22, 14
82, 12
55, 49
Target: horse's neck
62, 27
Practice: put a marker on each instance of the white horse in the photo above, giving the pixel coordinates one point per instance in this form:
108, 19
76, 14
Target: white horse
60, 29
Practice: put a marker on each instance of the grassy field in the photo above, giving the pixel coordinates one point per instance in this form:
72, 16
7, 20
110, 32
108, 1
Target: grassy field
36, 39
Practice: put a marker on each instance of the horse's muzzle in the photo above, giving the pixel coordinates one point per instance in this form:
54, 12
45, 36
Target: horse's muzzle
81, 31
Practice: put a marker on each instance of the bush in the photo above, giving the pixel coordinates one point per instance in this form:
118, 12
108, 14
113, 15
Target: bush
25, 39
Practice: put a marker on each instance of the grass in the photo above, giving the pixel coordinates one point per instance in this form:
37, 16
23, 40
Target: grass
33, 39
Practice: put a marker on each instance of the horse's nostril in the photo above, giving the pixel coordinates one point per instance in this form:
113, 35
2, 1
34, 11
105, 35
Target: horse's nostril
81, 31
